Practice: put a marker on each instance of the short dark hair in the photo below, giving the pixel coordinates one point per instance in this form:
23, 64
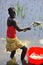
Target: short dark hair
11, 9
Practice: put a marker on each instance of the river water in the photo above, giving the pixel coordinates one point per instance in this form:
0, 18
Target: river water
33, 10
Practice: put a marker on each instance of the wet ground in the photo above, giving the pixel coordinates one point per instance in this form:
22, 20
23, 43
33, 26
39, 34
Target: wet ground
5, 56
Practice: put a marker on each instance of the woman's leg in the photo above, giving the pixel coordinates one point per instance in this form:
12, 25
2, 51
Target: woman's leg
24, 50
12, 54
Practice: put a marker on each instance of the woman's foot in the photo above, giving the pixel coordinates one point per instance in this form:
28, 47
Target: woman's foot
24, 62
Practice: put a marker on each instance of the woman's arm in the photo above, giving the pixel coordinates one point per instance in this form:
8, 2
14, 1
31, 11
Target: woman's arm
19, 29
12, 22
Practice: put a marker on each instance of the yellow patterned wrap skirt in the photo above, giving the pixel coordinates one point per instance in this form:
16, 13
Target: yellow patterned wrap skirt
13, 44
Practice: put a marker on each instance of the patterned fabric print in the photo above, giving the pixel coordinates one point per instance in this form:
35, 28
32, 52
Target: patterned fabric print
13, 44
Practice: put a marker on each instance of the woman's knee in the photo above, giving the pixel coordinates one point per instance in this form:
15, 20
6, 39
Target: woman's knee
24, 48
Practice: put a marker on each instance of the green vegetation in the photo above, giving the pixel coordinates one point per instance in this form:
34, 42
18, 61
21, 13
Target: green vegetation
20, 11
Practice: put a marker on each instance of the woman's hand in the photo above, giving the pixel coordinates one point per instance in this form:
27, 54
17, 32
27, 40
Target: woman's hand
25, 29
29, 28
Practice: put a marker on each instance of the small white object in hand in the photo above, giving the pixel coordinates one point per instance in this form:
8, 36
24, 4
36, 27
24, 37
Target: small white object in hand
36, 23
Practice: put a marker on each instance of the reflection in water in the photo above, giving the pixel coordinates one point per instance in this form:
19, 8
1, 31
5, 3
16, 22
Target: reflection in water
13, 62
23, 63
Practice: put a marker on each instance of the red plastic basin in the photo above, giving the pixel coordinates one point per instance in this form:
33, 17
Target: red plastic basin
36, 50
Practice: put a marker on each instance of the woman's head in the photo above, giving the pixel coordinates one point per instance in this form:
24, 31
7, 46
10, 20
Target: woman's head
11, 11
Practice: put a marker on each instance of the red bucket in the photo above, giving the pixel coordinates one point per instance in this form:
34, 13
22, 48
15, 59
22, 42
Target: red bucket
37, 51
